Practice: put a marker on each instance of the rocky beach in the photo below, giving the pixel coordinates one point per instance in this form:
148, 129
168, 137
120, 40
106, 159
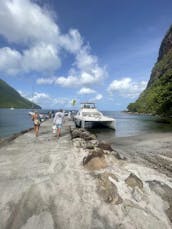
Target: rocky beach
80, 181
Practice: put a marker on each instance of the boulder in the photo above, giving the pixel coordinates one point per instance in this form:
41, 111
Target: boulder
118, 155
133, 181
93, 153
107, 189
82, 133
105, 146
96, 163
76, 133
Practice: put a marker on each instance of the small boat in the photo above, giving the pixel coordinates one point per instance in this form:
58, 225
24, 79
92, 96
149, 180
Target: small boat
11, 108
88, 114
31, 113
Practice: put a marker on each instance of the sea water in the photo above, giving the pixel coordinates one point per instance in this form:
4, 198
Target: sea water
14, 121
131, 125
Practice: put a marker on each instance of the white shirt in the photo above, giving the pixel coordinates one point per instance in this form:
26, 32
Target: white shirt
58, 119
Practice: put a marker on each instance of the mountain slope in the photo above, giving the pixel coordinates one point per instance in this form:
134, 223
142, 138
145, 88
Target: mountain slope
9, 97
157, 97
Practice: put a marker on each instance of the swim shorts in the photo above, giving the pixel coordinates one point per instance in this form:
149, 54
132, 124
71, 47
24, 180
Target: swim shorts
59, 125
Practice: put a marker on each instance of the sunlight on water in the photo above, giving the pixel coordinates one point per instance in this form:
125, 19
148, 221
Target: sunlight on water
14, 121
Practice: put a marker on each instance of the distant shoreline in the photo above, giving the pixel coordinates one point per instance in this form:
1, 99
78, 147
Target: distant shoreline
159, 118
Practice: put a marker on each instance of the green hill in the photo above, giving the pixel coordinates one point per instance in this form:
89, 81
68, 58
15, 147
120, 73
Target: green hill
9, 97
157, 97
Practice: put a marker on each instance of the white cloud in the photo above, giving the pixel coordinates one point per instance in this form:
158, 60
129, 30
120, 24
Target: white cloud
46, 80
10, 60
39, 97
21, 93
41, 57
25, 22
72, 42
70, 81
95, 75
86, 90
62, 81
84, 60
126, 87
86, 72
98, 97
47, 101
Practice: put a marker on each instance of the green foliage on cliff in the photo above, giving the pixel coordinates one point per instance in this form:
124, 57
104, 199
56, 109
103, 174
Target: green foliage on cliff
9, 97
157, 97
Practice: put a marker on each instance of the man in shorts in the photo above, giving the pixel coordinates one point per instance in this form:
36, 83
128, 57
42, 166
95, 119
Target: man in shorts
58, 121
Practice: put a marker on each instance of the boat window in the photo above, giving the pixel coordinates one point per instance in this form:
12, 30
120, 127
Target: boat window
91, 114
88, 105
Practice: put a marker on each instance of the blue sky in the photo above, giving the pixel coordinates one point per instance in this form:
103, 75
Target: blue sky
95, 50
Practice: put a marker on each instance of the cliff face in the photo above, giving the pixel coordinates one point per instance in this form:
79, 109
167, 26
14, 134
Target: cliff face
157, 97
166, 44
165, 48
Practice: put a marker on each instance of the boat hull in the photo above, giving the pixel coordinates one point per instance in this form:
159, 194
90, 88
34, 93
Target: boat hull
92, 123
88, 115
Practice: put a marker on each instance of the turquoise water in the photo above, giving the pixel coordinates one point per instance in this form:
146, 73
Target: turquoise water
14, 121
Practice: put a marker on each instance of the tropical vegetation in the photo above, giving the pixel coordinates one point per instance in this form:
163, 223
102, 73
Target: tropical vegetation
9, 97
157, 97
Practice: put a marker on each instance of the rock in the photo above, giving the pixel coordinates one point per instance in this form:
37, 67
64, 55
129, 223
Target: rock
94, 142
137, 194
93, 153
133, 181
96, 163
107, 189
76, 143
165, 192
82, 133
106, 152
76, 133
118, 155
105, 146
79, 143
88, 136
142, 219
112, 177
89, 145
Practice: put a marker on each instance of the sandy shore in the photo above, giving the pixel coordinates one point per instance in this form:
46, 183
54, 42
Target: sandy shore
153, 150
44, 184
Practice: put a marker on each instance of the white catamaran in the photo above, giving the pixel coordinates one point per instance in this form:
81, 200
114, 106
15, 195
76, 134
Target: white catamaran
88, 114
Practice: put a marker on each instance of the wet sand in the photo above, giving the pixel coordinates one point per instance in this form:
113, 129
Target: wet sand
153, 150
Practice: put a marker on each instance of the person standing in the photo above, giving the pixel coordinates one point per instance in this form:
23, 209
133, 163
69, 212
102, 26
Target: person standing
36, 122
52, 114
58, 121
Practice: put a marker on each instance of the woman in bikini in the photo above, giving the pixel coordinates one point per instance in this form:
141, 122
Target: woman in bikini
36, 122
